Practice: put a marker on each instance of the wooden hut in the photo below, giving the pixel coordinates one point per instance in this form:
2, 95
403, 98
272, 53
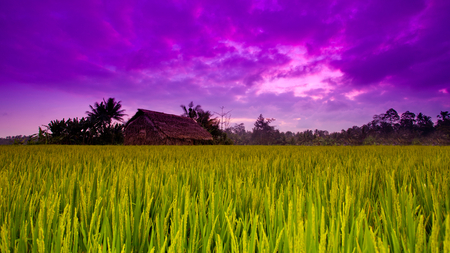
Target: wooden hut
157, 128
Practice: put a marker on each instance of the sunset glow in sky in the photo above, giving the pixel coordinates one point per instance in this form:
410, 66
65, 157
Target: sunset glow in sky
309, 64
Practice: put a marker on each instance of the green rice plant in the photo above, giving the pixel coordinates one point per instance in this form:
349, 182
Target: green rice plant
224, 199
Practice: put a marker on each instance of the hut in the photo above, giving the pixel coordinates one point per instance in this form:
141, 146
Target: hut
156, 128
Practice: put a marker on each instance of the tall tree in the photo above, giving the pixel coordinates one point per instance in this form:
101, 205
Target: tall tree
263, 132
407, 120
205, 119
113, 110
103, 114
97, 114
191, 111
424, 124
443, 124
385, 123
59, 131
443, 117
391, 116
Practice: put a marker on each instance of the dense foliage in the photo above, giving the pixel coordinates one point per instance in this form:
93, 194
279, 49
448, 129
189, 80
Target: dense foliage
206, 120
224, 199
388, 128
98, 128
385, 129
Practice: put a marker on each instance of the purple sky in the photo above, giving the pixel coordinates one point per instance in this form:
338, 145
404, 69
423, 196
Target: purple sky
308, 64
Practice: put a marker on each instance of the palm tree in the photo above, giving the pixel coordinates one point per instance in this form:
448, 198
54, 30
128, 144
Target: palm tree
97, 115
206, 120
103, 114
443, 116
192, 112
443, 124
113, 110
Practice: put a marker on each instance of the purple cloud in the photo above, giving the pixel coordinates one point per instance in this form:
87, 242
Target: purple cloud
332, 64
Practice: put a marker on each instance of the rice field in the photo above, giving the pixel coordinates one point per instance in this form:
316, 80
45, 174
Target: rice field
224, 199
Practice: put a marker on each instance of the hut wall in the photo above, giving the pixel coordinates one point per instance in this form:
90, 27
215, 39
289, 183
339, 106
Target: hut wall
173, 141
142, 132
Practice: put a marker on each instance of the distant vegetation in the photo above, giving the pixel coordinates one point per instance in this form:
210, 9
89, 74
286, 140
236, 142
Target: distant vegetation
104, 125
388, 128
97, 128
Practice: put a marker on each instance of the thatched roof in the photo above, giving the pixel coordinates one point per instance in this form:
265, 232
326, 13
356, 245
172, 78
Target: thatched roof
174, 126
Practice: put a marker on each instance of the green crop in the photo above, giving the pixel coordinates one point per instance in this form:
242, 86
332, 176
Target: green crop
224, 199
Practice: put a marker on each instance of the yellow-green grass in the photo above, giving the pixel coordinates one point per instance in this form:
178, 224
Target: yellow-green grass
224, 199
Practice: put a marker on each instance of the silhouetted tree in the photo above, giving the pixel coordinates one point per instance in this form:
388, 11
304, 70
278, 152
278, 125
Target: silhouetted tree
191, 111
424, 124
391, 116
206, 120
263, 132
354, 136
238, 134
59, 131
443, 124
407, 121
113, 110
385, 123
103, 114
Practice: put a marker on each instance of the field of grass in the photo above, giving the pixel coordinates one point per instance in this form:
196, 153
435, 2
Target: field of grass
224, 199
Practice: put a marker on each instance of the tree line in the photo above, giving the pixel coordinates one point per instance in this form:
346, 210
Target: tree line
388, 128
104, 125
